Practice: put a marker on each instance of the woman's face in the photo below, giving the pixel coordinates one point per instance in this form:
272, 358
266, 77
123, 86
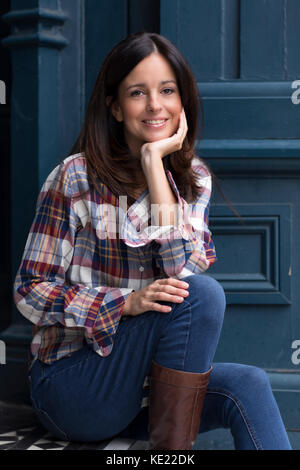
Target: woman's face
149, 93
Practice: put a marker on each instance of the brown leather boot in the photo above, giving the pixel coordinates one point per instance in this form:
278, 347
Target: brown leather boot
175, 407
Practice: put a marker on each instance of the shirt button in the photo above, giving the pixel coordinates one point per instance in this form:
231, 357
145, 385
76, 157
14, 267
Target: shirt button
141, 268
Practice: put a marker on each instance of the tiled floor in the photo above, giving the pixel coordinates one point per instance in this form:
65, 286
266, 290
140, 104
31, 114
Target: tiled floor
35, 438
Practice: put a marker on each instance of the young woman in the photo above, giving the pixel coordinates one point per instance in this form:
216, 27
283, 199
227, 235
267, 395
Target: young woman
126, 323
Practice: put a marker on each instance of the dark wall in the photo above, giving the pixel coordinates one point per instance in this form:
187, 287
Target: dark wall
5, 261
143, 16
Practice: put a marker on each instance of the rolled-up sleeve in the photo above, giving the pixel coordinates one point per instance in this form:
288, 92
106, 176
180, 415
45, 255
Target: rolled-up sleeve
41, 291
180, 250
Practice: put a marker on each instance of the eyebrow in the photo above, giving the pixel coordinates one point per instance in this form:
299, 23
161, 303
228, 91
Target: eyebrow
144, 84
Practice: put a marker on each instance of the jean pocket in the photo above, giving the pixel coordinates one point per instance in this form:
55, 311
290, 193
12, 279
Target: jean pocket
49, 424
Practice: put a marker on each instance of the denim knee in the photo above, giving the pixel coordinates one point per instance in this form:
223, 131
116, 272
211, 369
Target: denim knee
207, 298
255, 378
242, 378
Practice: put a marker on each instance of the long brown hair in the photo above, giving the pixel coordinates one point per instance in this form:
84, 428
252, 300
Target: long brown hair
101, 139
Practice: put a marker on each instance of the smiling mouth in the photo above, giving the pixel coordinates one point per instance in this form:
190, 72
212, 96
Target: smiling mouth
155, 122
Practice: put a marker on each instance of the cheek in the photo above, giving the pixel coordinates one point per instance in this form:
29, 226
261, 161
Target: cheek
133, 111
174, 126
176, 110
176, 120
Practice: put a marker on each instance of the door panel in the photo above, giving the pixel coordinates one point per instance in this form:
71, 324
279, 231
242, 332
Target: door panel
244, 57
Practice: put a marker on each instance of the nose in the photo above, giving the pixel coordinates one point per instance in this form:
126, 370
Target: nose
153, 103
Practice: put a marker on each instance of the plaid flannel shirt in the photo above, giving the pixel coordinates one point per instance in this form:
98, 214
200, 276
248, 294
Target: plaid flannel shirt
83, 257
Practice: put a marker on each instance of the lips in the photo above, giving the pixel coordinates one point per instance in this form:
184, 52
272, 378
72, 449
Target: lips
155, 122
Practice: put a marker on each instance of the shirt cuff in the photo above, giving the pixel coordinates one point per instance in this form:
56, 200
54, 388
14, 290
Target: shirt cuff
137, 230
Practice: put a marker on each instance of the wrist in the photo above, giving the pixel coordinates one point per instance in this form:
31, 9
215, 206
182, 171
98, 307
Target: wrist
148, 155
152, 166
127, 305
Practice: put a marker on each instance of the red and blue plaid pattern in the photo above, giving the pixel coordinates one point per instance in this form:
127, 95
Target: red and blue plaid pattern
83, 257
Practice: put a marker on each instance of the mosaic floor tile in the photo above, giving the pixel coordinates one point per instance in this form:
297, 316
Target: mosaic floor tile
37, 438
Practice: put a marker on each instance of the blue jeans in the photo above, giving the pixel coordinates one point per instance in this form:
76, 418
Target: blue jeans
86, 397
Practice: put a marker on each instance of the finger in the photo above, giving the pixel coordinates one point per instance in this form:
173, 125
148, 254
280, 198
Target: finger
159, 308
162, 294
172, 290
164, 297
184, 120
174, 282
181, 123
182, 129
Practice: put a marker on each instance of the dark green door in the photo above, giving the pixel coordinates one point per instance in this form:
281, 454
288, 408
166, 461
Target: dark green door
245, 58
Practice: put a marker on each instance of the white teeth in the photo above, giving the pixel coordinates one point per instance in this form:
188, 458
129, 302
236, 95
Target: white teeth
156, 122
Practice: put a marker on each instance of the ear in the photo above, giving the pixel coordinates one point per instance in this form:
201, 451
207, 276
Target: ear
115, 109
108, 101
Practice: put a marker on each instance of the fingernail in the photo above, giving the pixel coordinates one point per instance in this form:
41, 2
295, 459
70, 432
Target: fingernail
185, 284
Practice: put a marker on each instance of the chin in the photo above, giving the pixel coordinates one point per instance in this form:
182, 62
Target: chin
155, 139
163, 135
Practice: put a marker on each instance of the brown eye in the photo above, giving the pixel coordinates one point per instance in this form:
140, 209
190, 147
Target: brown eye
169, 90
135, 93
